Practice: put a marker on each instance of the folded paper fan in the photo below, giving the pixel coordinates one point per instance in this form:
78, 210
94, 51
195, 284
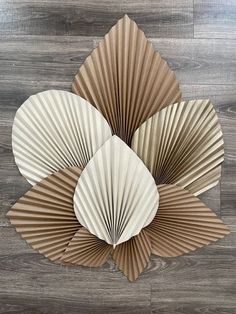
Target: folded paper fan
115, 172
183, 223
116, 195
132, 256
87, 250
53, 130
126, 79
182, 144
45, 217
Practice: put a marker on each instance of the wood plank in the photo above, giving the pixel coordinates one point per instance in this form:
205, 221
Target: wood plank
90, 18
228, 183
29, 283
40, 58
212, 296
200, 61
215, 19
22, 269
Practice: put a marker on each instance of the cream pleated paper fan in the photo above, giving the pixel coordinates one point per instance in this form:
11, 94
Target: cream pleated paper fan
126, 79
116, 196
53, 130
182, 144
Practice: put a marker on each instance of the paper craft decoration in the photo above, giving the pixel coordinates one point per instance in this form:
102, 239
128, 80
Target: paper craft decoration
44, 216
53, 130
116, 195
126, 80
118, 183
189, 145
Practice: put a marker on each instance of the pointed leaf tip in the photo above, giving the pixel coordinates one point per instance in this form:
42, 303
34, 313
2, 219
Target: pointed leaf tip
116, 195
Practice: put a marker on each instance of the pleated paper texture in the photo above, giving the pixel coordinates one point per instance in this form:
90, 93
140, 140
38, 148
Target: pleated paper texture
45, 217
87, 250
132, 256
116, 195
53, 130
126, 79
182, 144
183, 223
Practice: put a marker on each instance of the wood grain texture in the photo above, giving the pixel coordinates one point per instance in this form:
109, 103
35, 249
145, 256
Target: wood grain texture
214, 19
163, 18
42, 46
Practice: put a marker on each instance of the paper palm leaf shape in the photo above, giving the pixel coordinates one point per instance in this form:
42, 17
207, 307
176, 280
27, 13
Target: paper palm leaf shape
87, 250
133, 256
46, 220
116, 195
126, 80
181, 225
53, 130
113, 207
45, 217
182, 144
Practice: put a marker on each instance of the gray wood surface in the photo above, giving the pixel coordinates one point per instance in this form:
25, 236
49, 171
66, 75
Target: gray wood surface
42, 45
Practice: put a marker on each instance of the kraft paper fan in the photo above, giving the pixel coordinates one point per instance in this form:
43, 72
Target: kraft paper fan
183, 223
45, 217
87, 250
116, 195
182, 144
53, 130
132, 256
126, 79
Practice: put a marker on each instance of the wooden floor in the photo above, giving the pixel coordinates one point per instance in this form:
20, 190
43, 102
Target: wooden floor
42, 45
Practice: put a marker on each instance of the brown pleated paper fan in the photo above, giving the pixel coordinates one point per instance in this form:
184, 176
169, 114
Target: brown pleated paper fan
126, 79
182, 223
182, 144
87, 250
45, 217
132, 256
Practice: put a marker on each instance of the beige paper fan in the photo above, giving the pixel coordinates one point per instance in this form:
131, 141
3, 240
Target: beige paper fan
182, 144
53, 130
183, 223
116, 195
87, 250
132, 256
45, 217
126, 79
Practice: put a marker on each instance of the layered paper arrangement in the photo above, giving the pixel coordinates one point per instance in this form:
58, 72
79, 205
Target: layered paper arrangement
54, 130
189, 142
126, 80
116, 195
116, 166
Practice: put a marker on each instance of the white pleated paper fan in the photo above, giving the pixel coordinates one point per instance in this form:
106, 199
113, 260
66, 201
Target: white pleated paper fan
53, 130
116, 196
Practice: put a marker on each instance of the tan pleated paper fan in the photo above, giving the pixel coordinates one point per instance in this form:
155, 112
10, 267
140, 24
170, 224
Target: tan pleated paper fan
183, 223
132, 256
45, 217
116, 195
182, 144
126, 79
53, 130
87, 250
